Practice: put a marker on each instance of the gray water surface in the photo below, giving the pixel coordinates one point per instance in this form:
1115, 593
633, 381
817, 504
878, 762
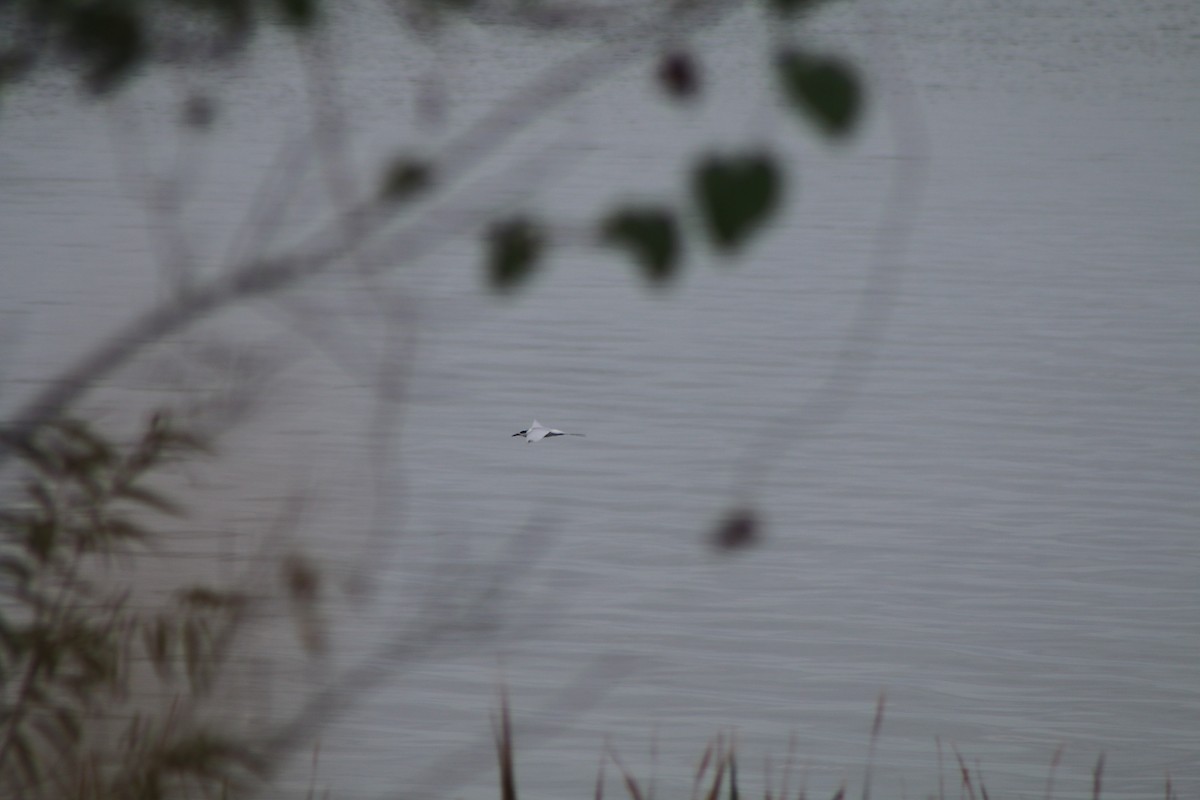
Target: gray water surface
997, 526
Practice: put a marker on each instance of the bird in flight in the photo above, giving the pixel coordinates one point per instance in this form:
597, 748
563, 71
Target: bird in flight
537, 431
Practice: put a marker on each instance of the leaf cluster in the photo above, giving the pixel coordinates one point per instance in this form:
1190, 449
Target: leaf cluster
70, 645
732, 195
109, 40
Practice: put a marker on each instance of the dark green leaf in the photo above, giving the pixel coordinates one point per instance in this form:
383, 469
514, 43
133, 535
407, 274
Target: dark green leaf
298, 13
514, 249
110, 38
650, 235
736, 195
793, 8
405, 178
824, 89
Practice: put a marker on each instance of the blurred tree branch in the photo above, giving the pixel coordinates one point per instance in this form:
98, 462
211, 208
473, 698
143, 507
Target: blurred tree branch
413, 208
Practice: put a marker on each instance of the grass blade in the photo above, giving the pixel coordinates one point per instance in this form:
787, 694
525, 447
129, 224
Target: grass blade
502, 731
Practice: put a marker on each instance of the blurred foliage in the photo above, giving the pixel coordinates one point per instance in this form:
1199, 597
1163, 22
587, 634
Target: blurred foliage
736, 195
824, 89
77, 649
515, 247
650, 235
109, 40
794, 8
73, 646
404, 179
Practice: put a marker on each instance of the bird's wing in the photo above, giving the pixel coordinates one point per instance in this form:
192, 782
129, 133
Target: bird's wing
536, 435
535, 424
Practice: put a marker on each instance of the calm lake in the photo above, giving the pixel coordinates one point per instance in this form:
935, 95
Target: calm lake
958, 381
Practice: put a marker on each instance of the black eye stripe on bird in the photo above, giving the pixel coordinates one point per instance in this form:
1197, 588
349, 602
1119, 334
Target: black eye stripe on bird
537, 431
